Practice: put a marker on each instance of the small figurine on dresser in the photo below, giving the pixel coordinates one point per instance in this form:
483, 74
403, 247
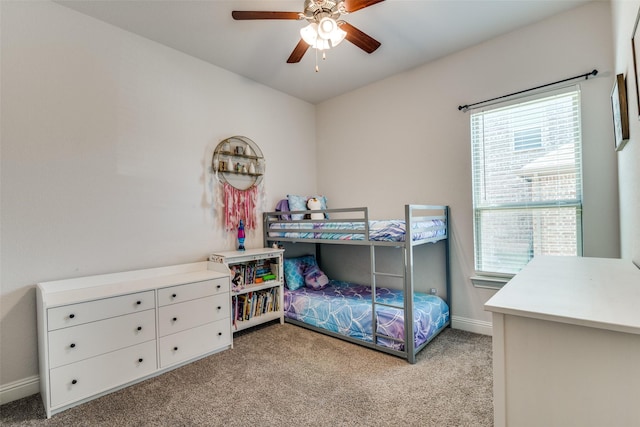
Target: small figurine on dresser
241, 236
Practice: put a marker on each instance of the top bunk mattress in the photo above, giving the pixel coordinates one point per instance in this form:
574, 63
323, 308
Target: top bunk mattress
379, 230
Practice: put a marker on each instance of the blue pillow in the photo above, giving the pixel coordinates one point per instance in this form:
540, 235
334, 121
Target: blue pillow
299, 203
294, 269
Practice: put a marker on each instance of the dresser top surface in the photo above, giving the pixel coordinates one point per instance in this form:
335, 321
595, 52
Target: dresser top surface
70, 291
596, 292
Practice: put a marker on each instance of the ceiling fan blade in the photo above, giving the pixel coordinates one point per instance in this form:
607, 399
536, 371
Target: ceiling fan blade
360, 39
353, 5
242, 15
298, 52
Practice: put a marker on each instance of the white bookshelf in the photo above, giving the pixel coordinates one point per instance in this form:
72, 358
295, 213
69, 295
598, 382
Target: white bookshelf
254, 301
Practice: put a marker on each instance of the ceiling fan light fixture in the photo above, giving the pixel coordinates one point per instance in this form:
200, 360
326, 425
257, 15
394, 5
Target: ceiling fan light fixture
326, 27
322, 44
310, 34
338, 35
322, 36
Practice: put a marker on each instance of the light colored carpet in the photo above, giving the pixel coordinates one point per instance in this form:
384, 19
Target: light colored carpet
286, 375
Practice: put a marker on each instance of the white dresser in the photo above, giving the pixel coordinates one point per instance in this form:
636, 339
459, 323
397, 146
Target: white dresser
566, 344
100, 333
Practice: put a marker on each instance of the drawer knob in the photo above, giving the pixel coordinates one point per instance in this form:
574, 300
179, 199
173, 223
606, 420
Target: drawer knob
139, 328
138, 302
174, 295
219, 334
71, 316
219, 307
140, 360
175, 348
218, 287
175, 319
72, 345
74, 381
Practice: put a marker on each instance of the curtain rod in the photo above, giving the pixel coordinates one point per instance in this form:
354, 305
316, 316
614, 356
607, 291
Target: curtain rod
465, 108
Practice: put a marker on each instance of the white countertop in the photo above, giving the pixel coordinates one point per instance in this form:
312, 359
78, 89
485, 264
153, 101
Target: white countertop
106, 285
596, 292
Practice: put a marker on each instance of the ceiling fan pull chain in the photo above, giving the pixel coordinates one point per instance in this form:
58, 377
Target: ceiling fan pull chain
317, 69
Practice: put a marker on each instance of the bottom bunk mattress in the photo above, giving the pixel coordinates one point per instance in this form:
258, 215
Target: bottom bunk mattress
345, 308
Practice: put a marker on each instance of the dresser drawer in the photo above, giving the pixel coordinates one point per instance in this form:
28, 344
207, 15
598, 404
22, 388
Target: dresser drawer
194, 342
72, 344
179, 317
77, 314
180, 293
90, 376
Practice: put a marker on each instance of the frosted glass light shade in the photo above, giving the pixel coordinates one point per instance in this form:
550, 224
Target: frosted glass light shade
338, 35
310, 33
323, 36
326, 27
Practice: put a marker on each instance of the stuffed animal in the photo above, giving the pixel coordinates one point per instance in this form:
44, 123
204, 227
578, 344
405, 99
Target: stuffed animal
314, 204
315, 279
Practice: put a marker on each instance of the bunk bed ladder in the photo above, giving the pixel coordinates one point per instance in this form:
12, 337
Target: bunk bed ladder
408, 352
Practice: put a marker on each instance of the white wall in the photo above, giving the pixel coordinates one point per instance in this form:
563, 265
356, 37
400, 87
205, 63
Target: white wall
624, 17
403, 140
106, 143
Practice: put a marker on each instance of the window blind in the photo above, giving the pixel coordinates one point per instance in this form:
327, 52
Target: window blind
527, 181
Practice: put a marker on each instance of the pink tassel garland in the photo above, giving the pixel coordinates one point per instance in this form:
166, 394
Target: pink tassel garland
239, 204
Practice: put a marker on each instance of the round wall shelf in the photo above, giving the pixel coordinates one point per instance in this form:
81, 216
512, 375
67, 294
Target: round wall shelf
239, 162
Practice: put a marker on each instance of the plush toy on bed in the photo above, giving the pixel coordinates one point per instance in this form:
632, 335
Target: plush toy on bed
314, 278
314, 204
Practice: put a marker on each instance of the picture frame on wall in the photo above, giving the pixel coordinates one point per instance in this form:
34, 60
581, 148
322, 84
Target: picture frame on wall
635, 49
620, 113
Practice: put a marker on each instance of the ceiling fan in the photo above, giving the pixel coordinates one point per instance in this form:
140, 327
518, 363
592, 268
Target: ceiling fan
325, 30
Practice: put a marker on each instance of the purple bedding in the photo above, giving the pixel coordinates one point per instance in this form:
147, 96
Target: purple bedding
345, 308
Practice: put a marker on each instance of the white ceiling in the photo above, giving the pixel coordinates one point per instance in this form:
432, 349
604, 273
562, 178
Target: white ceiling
412, 33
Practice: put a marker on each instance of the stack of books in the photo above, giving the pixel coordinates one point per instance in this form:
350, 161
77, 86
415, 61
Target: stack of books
253, 273
252, 304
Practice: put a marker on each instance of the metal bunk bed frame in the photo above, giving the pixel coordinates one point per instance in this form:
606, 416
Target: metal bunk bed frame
361, 216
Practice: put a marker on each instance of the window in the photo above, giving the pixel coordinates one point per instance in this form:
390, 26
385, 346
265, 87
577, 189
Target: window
527, 181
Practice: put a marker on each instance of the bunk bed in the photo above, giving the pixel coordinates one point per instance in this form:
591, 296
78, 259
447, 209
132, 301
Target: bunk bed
377, 317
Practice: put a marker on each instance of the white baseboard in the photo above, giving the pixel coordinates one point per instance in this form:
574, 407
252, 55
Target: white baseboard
472, 325
19, 389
